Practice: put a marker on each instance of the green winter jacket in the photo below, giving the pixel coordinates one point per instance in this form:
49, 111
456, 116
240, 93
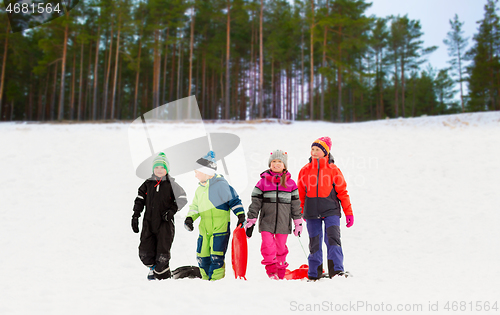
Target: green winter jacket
212, 203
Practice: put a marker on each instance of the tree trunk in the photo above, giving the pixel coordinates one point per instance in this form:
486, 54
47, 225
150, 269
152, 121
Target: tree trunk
116, 69
96, 74
119, 96
80, 90
339, 81
88, 90
172, 72
45, 103
72, 99
402, 85
136, 92
414, 95
396, 106
60, 114
322, 105
197, 82
204, 86
228, 65
29, 109
191, 43
381, 92
222, 89
311, 83
179, 71
40, 100
156, 67
302, 68
190, 81
255, 76
106, 84
242, 93
273, 89
164, 100
251, 69
54, 89
4, 62
460, 78
261, 61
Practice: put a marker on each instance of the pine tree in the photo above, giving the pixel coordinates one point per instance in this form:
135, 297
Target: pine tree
457, 45
484, 71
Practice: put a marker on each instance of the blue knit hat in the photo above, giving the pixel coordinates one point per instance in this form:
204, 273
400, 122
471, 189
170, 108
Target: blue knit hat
161, 160
207, 164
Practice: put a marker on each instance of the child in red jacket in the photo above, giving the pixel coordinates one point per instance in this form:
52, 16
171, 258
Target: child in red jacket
322, 189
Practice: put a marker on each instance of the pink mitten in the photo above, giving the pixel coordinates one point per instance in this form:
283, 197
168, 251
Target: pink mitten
349, 219
250, 223
298, 227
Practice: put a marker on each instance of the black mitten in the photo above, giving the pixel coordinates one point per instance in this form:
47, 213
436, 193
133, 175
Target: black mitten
169, 216
250, 231
135, 224
241, 219
188, 224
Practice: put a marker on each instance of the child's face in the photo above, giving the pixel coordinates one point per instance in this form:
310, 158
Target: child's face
277, 166
317, 153
160, 171
202, 177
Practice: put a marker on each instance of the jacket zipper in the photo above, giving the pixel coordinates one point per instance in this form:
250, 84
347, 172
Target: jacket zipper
317, 182
317, 185
276, 225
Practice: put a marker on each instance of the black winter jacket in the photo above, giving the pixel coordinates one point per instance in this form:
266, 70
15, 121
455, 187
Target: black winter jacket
159, 196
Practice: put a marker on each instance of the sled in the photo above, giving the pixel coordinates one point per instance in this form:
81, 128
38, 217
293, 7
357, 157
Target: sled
297, 274
301, 273
190, 272
239, 253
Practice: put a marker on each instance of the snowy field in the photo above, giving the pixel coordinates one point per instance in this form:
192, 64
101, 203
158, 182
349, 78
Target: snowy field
424, 191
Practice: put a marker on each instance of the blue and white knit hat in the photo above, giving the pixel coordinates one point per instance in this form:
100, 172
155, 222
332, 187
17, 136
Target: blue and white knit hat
161, 160
207, 164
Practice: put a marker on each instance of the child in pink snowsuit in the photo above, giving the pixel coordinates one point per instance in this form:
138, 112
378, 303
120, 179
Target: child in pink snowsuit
276, 197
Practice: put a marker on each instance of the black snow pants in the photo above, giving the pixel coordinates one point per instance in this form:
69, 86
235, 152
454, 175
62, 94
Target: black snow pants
155, 245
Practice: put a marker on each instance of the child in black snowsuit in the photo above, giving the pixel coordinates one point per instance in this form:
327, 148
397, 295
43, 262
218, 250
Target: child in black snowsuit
163, 197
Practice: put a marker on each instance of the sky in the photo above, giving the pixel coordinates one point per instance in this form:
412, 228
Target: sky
434, 16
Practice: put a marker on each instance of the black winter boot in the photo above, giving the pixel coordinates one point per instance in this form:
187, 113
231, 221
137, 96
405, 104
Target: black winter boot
319, 272
162, 275
331, 270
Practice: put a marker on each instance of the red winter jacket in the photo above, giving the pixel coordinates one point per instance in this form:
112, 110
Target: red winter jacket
322, 188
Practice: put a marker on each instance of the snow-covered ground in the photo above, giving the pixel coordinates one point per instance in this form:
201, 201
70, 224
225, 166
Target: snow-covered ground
424, 193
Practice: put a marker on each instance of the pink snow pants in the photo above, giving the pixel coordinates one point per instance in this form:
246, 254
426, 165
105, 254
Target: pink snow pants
274, 252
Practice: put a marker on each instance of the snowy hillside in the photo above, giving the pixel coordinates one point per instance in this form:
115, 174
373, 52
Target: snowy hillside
424, 193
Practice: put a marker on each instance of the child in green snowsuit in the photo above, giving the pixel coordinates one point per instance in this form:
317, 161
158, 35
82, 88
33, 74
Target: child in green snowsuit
212, 201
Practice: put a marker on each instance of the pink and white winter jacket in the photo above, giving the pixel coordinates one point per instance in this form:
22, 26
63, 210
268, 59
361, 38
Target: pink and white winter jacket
277, 205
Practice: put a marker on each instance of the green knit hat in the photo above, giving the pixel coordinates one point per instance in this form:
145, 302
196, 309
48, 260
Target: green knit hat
161, 160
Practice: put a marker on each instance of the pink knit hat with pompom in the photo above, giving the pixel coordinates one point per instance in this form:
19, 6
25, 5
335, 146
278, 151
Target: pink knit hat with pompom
324, 143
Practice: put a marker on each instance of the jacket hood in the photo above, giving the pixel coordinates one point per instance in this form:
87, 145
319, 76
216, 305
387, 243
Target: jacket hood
214, 180
331, 160
156, 178
274, 177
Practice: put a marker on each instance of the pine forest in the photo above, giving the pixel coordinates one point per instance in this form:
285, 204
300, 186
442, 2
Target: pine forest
324, 60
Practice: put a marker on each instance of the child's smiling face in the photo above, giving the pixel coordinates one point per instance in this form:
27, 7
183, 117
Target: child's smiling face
160, 171
277, 166
317, 153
